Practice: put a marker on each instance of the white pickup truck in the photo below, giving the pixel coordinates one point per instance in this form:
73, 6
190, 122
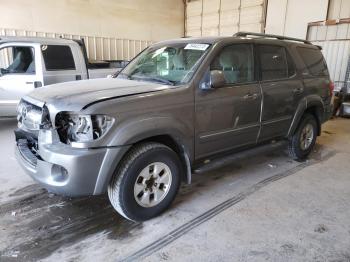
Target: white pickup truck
27, 63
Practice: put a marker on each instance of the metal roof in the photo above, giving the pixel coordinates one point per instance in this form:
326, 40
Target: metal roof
40, 40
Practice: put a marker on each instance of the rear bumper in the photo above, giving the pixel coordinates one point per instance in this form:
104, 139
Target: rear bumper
69, 171
346, 109
328, 112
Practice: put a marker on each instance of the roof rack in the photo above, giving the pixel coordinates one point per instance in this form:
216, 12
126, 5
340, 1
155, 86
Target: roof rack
279, 37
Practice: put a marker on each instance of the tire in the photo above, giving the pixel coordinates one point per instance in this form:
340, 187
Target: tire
297, 149
136, 174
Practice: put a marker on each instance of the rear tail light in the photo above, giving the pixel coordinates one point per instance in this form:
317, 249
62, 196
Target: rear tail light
331, 88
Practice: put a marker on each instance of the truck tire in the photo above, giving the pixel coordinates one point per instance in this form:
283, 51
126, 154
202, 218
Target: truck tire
146, 182
304, 138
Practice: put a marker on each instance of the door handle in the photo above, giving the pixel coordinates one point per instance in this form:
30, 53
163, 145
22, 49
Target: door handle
37, 84
250, 96
298, 90
29, 83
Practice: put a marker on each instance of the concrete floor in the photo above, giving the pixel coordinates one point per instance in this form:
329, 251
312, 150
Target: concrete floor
254, 206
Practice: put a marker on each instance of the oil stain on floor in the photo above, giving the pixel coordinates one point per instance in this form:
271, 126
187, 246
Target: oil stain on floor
40, 223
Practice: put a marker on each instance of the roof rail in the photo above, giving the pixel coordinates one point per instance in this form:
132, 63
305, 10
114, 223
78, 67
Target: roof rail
279, 37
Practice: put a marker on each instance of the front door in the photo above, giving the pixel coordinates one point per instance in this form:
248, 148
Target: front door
19, 74
228, 117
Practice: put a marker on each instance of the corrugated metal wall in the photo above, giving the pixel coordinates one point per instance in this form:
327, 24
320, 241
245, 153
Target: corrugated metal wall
98, 48
224, 17
338, 9
291, 17
335, 42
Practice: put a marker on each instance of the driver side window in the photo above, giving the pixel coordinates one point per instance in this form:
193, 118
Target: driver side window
17, 60
236, 62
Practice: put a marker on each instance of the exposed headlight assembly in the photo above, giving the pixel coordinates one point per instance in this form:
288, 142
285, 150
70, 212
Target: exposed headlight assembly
82, 128
33, 117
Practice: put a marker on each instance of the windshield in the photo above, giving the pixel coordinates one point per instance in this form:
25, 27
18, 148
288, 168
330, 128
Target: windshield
172, 64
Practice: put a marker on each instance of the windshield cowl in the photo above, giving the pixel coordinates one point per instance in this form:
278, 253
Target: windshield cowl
150, 79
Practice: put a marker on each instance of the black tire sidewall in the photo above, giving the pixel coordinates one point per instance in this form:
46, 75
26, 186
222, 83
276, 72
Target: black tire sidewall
300, 153
129, 205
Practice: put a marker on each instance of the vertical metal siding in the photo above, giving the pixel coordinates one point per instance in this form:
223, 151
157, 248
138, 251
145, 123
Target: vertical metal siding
98, 48
224, 17
335, 43
338, 9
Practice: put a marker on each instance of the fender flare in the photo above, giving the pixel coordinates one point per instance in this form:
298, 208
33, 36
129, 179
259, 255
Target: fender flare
137, 130
305, 104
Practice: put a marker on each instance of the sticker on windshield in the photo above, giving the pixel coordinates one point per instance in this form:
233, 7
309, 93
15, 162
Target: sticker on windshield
200, 47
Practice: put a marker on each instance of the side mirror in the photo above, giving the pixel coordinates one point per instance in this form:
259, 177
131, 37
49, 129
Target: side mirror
217, 78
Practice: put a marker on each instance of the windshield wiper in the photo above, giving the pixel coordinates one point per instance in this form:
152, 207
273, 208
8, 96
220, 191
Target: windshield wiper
152, 78
123, 75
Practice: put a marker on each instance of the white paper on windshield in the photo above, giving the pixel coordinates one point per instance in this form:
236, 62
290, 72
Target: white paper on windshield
200, 47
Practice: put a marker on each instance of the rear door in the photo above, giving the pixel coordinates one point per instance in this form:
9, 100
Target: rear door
61, 63
315, 73
21, 72
228, 117
281, 90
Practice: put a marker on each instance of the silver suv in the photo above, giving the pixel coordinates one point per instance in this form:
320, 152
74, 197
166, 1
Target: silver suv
137, 136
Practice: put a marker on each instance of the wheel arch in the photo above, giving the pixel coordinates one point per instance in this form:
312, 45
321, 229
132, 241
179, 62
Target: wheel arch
178, 148
312, 105
165, 130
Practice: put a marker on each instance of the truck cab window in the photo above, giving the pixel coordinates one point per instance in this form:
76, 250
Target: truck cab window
58, 57
236, 62
17, 60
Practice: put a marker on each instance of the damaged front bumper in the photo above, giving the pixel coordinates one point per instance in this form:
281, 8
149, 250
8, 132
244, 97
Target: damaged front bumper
63, 169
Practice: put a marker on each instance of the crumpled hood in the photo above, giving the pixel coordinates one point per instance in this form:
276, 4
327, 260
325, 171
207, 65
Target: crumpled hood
74, 96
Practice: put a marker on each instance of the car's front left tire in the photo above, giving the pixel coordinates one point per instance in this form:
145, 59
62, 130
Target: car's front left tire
146, 181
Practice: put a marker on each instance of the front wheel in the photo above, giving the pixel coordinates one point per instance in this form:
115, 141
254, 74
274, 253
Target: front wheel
146, 182
304, 139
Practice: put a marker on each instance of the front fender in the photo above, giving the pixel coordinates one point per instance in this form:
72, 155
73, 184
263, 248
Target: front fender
137, 130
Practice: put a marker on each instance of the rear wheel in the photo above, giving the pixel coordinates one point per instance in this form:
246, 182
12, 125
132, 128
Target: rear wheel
304, 139
146, 182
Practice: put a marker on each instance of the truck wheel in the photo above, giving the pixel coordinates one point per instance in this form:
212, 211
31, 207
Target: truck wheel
146, 182
304, 139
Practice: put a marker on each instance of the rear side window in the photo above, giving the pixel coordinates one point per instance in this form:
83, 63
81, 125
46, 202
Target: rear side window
58, 57
275, 63
314, 61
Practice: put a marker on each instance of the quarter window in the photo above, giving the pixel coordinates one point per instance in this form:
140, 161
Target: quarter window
236, 62
58, 57
275, 63
314, 61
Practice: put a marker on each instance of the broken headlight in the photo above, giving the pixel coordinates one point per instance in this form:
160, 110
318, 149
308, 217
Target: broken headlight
32, 117
82, 128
